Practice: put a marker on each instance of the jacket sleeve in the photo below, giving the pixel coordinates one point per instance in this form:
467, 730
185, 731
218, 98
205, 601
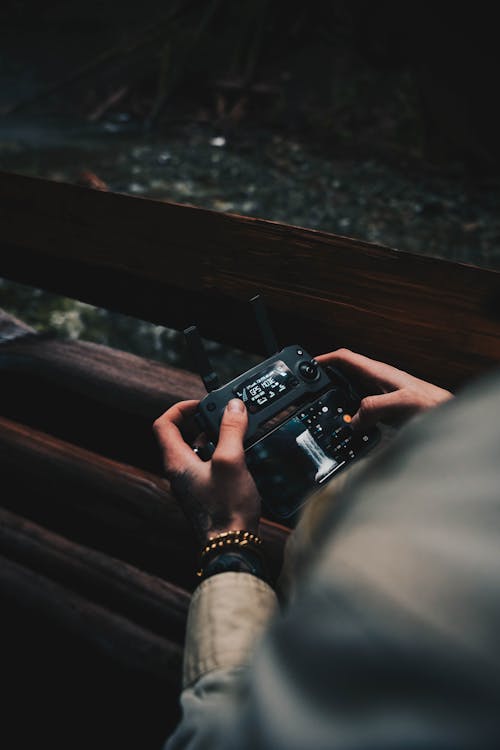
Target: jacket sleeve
227, 615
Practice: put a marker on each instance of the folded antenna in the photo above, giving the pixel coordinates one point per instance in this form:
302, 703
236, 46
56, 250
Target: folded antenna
199, 358
267, 333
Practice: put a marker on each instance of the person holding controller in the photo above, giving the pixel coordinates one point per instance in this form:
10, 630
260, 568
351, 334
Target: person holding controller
389, 635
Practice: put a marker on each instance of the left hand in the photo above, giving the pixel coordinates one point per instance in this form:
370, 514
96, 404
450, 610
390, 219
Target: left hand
390, 395
217, 495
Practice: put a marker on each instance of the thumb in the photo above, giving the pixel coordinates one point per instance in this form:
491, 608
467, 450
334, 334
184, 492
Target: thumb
232, 433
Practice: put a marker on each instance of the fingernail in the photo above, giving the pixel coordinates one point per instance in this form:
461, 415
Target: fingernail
236, 404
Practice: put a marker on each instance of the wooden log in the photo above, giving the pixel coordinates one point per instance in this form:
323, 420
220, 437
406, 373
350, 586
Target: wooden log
118, 637
97, 397
146, 600
61, 689
124, 511
104, 674
177, 264
123, 380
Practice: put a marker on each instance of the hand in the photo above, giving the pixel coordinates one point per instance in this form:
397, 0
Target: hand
392, 395
217, 495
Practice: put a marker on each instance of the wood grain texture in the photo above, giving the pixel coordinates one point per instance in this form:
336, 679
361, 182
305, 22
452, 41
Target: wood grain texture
177, 265
91, 395
112, 634
119, 378
119, 509
144, 599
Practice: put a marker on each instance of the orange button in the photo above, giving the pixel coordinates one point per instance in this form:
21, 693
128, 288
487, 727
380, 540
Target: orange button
347, 418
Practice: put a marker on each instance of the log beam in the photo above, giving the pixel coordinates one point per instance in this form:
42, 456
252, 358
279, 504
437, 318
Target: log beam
147, 600
119, 638
122, 510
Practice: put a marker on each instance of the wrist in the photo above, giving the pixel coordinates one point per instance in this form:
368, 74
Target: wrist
233, 550
237, 523
244, 560
228, 541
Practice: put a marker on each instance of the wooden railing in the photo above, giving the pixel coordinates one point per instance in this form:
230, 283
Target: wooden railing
176, 264
93, 545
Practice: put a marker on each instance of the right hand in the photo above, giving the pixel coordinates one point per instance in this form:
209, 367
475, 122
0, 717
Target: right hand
217, 495
392, 395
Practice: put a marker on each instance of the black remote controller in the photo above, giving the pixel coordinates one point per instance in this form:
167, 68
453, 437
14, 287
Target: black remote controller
298, 419
291, 376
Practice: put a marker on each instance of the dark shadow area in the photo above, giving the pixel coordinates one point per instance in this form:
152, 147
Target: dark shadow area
365, 79
62, 692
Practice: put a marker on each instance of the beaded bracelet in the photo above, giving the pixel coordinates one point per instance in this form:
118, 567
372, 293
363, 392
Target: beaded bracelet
231, 539
227, 541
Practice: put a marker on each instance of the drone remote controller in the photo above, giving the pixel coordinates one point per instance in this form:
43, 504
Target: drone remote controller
298, 432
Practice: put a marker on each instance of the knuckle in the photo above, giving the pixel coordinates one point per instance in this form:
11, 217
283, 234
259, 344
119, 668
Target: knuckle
163, 431
407, 397
233, 421
226, 460
232, 434
344, 352
368, 405
411, 399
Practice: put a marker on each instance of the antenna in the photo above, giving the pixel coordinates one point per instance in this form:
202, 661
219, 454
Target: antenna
267, 333
199, 358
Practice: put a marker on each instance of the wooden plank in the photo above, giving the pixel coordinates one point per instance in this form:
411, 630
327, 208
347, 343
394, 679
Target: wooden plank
122, 640
177, 264
146, 600
119, 509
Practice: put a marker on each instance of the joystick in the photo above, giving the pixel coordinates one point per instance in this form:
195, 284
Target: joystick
309, 370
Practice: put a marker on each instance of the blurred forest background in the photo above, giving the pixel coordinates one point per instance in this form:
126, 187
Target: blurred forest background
374, 120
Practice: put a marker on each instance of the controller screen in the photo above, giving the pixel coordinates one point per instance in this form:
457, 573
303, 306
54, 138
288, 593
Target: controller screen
267, 386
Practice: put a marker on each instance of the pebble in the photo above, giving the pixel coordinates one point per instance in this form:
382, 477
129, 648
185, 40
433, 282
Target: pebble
136, 187
218, 141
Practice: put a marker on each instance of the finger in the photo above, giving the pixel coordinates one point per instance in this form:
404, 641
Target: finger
371, 370
177, 454
229, 450
180, 412
384, 407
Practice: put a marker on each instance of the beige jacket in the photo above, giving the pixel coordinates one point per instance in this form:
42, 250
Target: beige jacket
390, 638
